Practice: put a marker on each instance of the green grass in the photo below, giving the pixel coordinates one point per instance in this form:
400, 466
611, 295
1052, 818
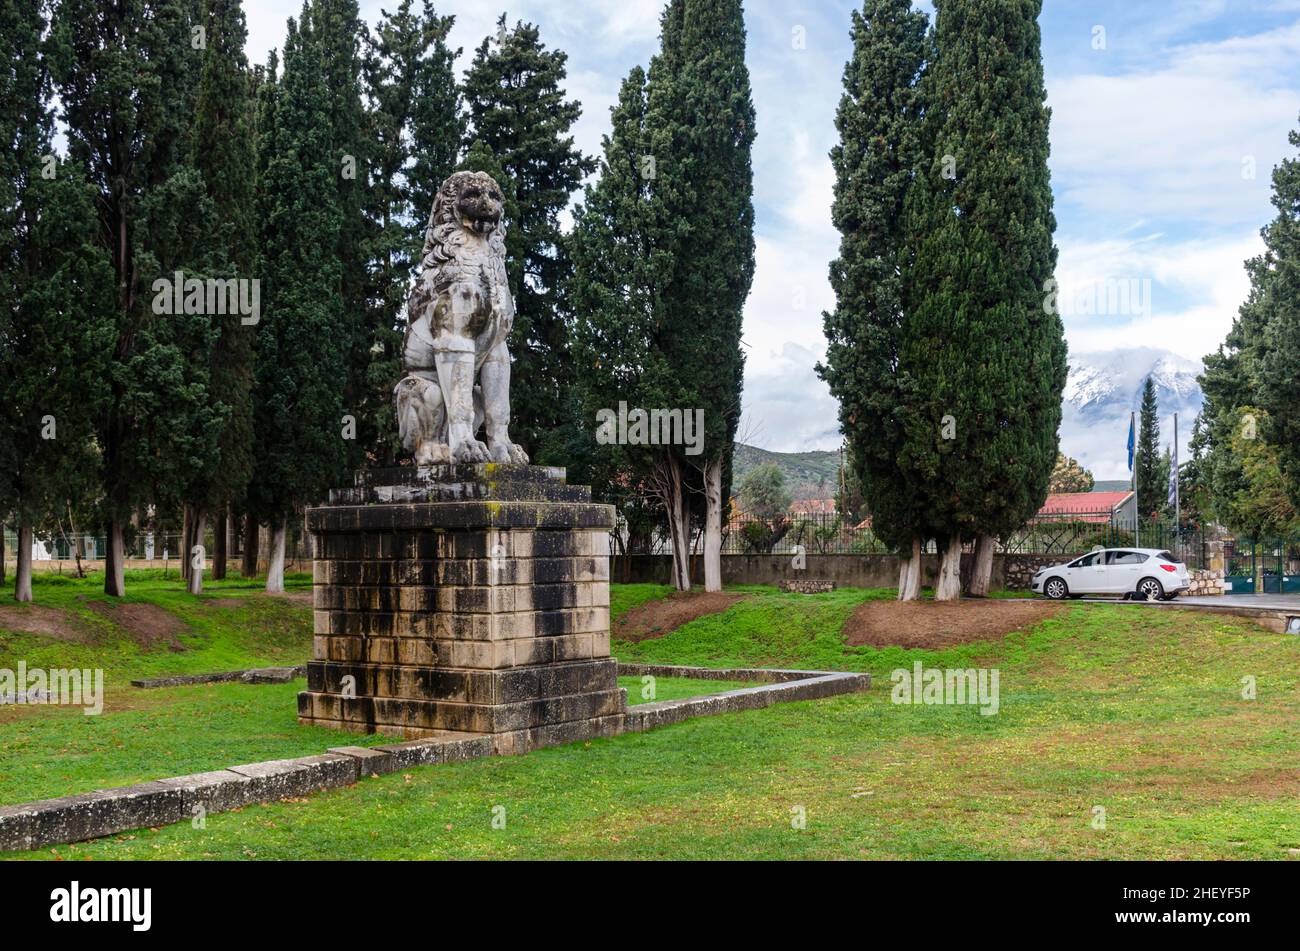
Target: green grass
625, 597
149, 734
266, 630
1137, 711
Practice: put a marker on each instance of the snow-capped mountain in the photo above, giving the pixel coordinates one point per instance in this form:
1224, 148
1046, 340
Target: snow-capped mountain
1103, 388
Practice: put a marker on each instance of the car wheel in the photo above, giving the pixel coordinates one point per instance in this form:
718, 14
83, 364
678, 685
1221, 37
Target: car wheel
1055, 589
1149, 589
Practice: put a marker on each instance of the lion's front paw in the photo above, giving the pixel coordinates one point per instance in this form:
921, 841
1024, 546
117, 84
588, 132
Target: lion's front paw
432, 454
508, 452
470, 451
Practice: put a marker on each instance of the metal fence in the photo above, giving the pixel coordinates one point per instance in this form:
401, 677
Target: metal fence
829, 534
60, 553
1270, 564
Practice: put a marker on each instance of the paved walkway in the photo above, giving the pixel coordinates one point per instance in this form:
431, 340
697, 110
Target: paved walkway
1289, 603
1264, 602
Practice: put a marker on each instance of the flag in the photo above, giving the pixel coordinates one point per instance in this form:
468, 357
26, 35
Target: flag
1131, 419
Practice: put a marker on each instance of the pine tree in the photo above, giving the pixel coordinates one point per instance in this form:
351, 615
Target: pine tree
517, 111
1152, 470
878, 119
132, 64
303, 340
414, 118
984, 350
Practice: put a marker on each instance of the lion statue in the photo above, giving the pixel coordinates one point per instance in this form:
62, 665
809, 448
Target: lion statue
459, 315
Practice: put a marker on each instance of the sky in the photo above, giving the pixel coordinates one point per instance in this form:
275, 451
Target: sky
1167, 119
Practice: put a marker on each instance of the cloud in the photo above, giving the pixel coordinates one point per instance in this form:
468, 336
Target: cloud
1173, 143
787, 408
1148, 144
1193, 287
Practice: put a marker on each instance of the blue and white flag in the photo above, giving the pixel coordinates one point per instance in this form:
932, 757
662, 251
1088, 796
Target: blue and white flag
1130, 441
1173, 474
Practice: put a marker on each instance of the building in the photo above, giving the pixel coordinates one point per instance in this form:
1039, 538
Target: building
1118, 508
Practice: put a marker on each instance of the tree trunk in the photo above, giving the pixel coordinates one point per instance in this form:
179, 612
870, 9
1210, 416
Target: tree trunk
263, 548
982, 566
23, 581
713, 526
115, 560
248, 568
187, 539
196, 553
909, 574
219, 543
275, 566
671, 492
948, 587
2, 553
679, 530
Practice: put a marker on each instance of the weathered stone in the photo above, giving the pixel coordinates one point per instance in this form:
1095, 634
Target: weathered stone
806, 587
460, 315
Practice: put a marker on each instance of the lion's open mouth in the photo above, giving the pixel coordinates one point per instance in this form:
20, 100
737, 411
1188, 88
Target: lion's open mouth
479, 226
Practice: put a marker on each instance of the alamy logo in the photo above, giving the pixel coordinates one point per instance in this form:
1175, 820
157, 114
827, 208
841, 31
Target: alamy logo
213, 296
63, 687
73, 904
934, 686
656, 427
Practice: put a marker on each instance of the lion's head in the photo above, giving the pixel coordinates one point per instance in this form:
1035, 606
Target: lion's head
467, 203
467, 210
472, 199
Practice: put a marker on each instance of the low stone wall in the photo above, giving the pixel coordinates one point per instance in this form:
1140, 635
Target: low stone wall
165, 801
1206, 581
1011, 572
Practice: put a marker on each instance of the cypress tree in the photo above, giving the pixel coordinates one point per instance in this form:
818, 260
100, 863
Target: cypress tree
414, 119
984, 349
878, 119
517, 110
437, 124
224, 155
334, 26
56, 299
131, 64
303, 340
1275, 284
715, 263
616, 347
1151, 468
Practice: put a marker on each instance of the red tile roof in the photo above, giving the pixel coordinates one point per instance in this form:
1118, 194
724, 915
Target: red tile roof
1085, 506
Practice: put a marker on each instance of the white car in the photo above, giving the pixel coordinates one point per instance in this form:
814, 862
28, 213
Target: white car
1146, 573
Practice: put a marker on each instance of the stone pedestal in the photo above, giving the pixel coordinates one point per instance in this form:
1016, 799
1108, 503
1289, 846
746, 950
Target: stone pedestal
471, 598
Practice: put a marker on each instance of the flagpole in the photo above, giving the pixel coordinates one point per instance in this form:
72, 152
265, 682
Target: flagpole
1178, 535
1137, 509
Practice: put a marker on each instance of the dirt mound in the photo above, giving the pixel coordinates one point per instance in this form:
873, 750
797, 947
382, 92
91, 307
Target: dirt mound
147, 624
50, 622
930, 624
665, 615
